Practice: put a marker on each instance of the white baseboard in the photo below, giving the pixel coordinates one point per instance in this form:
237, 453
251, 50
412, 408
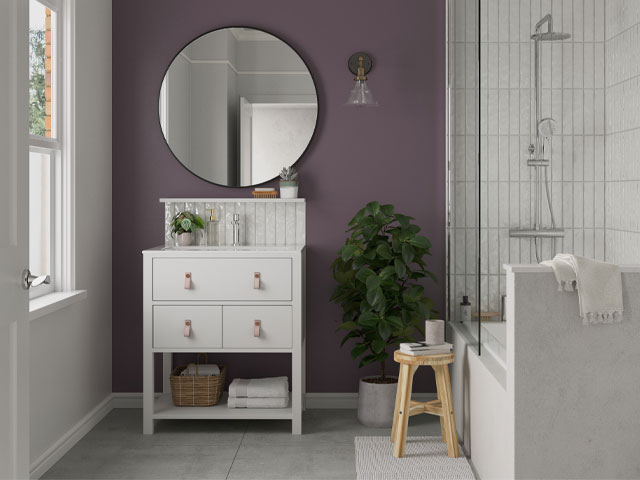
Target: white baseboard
312, 400
65, 443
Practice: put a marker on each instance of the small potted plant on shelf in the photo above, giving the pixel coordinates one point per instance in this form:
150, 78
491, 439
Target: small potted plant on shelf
288, 183
186, 226
378, 271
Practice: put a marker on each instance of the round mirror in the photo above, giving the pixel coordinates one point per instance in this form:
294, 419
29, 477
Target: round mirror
236, 105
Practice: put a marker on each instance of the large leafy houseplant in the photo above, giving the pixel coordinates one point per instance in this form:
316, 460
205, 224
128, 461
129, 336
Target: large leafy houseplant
378, 271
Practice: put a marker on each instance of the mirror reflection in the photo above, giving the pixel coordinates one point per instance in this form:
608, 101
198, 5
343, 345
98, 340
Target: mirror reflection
236, 105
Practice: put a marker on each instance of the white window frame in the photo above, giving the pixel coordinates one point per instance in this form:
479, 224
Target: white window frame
63, 164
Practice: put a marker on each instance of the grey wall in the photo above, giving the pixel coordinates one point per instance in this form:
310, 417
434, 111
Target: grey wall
394, 153
71, 348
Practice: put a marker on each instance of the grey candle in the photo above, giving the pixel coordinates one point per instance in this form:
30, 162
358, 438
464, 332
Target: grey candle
434, 332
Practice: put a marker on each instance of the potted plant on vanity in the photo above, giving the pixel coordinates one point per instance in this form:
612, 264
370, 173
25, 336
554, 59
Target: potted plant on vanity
288, 183
378, 272
186, 225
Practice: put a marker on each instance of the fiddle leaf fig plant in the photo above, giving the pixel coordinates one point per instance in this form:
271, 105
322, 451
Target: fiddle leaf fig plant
378, 270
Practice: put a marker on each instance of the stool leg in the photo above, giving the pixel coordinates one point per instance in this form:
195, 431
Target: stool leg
447, 380
443, 427
403, 413
394, 428
444, 387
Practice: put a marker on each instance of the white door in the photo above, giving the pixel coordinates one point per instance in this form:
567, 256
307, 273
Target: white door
14, 239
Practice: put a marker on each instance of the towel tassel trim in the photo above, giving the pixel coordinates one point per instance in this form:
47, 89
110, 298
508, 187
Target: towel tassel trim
602, 317
566, 286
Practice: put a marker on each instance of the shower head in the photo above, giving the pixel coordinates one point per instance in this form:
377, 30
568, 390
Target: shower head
550, 36
547, 127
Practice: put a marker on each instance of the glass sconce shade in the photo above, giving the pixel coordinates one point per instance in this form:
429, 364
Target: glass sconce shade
361, 96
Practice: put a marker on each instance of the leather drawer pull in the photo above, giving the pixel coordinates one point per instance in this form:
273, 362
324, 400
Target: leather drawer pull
256, 280
256, 328
187, 280
187, 328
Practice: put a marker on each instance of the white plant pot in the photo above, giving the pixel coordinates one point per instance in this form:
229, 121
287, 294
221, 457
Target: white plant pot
185, 239
289, 192
376, 402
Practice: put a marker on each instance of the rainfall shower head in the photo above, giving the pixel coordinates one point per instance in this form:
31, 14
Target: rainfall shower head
550, 36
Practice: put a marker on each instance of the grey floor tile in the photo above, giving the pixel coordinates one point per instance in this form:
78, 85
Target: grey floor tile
193, 449
124, 426
322, 460
85, 460
336, 426
149, 462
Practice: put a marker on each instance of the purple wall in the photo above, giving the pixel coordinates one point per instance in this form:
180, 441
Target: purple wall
394, 153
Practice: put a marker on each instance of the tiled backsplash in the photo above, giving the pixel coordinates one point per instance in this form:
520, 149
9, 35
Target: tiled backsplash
263, 222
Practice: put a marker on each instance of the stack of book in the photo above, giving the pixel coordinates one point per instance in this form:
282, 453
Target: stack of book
422, 348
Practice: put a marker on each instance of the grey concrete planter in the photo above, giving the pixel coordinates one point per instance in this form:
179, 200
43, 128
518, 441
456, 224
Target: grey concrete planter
376, 403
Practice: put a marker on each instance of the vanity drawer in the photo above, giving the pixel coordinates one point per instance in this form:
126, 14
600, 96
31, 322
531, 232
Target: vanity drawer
169, 324
231, 279
239, 329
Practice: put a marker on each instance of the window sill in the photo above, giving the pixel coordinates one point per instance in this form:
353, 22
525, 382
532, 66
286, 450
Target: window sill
46, 304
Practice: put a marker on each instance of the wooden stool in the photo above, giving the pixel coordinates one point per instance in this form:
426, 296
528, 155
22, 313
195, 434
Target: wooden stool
405, 407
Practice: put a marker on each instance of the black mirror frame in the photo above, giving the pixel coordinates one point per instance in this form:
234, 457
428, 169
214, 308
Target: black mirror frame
313, 80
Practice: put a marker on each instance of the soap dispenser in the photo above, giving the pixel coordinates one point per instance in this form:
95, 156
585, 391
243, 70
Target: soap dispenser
465, 310
212, 230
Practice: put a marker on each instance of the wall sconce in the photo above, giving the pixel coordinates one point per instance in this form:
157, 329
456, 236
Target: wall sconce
360, 96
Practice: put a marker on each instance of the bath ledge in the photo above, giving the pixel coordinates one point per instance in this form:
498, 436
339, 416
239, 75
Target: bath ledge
537, 268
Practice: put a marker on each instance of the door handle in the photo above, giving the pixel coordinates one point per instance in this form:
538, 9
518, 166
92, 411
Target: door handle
256, 328
187, 328
187, 280
256, 280
29, 280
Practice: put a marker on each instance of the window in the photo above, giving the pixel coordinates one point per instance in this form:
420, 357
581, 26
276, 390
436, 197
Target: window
48, 157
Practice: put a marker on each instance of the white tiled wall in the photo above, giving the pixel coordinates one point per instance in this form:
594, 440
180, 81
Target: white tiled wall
623, 131
573, 93
463, 144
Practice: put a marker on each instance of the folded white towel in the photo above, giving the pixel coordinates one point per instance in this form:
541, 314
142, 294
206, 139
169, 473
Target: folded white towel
207, 370
273, 387
599, 286
243, 402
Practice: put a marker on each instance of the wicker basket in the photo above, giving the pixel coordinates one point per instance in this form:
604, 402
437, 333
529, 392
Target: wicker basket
197, 390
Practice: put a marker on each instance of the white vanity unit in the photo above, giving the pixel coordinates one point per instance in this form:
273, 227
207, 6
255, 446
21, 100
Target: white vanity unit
246, 299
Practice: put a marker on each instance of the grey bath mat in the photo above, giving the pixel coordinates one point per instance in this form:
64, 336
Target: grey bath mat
425, 458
